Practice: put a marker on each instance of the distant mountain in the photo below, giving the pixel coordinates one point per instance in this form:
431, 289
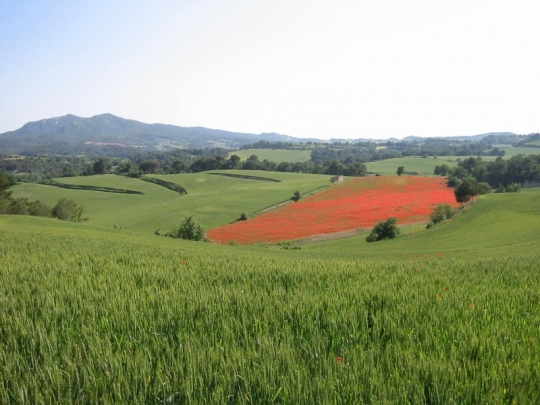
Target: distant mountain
110, 135
73, 135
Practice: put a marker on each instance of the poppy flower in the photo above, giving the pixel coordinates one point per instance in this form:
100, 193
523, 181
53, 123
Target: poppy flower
356, 203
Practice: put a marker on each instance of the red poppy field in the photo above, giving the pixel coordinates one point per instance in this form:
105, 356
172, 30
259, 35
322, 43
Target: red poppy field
356, 203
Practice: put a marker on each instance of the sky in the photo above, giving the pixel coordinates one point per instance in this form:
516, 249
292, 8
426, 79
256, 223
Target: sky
307, 68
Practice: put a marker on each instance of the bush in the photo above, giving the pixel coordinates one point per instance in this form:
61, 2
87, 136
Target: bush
68, 210
384, 230
441, 212
513, 188
189, 229
297, 196
243, 217
469, 188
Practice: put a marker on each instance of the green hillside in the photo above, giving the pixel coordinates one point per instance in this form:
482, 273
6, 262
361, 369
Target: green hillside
215, 200
495, 225
422, 166
275, 155
513, 151
449, 315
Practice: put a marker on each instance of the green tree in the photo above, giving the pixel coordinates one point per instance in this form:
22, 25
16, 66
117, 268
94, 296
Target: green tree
68, 210
441, 212
297, 196
5, 181
384, 230
40, 209
243, 217
470, 188
400, 170
102, 166
512, 188
233, 161
442, 170
189, 229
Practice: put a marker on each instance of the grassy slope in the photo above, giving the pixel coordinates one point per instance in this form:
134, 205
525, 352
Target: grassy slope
513, 151
215, 200
93, 315
496, 224
423, 166
275, 155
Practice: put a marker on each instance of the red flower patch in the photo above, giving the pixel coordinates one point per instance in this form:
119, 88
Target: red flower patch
356, 203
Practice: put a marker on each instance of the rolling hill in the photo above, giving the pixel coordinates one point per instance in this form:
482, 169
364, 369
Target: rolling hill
215, 200
448, 315
71, 135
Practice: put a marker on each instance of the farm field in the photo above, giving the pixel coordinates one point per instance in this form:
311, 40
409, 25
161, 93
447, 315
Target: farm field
276, 155
422, 166
495, 225
449, 315
513, 151
354, 203
215, 200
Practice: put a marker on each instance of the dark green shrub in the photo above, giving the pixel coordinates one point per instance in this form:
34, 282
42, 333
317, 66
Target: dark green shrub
189, 229
441, 212
384, 230
297, 196
68, 210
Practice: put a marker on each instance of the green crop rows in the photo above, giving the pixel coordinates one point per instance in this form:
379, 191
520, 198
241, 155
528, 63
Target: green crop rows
90, 314
96, 316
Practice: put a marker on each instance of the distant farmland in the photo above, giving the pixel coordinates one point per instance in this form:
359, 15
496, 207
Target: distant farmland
275, 155
355, 203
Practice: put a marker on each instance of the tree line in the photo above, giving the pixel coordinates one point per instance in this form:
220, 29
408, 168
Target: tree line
65, 209
474, 176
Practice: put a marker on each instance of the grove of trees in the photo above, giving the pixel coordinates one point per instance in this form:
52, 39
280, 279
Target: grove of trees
65, 209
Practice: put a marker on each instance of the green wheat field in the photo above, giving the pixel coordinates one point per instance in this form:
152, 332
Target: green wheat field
90, 314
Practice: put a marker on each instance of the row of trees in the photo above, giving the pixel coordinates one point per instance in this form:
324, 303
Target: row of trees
518, 169
65, 209
474, 176
220, 162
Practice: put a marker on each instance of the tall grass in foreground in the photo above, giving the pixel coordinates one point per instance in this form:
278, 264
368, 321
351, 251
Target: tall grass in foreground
89, 317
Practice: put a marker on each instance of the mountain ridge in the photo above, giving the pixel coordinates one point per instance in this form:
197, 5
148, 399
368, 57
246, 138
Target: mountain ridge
72, 135
75, 132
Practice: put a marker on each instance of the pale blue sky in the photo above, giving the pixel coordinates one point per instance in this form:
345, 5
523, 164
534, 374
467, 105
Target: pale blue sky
317, 68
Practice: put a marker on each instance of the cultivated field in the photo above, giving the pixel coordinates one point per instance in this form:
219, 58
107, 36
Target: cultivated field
276, 155
448, 315
422, 166
355, 203
215, 200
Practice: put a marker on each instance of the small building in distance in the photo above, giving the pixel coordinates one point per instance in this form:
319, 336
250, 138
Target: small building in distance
336, 179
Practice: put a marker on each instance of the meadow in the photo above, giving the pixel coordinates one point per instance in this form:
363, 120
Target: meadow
276, 155
214, 200
90, 315
422, 166
523, 150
